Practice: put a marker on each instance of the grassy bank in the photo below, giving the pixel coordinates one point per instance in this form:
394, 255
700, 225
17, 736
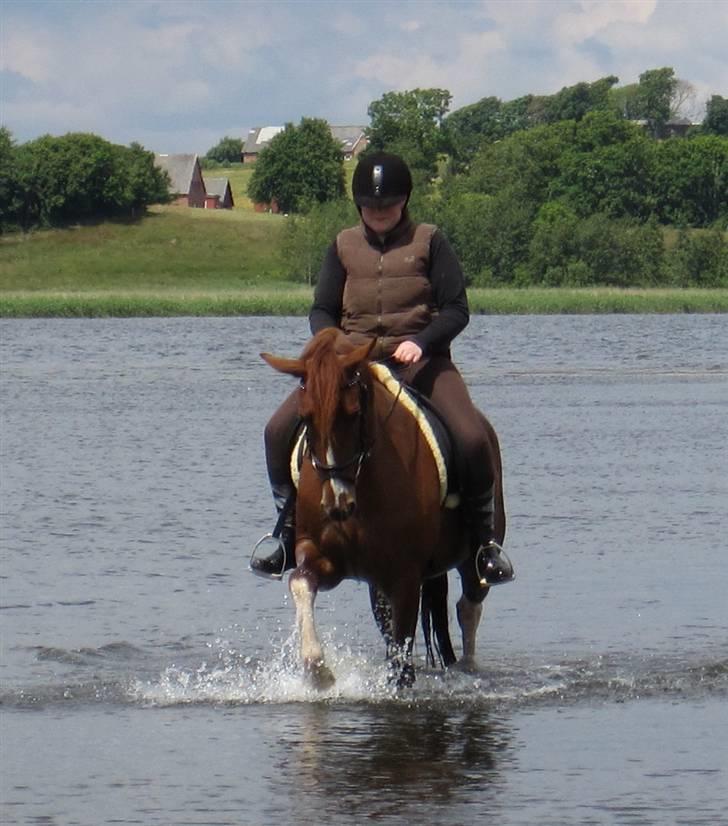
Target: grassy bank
199, 262
171, 248
295, 300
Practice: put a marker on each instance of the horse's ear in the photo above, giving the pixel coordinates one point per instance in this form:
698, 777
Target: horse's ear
358, 355
293, 367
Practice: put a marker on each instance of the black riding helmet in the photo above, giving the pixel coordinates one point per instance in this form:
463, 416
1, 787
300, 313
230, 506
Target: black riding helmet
381, 180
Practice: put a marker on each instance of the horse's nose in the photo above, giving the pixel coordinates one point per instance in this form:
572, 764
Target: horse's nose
341, 513
342, 509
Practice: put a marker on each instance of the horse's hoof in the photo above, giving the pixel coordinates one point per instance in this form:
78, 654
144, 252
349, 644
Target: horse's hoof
466, 665
403, 676
319, 675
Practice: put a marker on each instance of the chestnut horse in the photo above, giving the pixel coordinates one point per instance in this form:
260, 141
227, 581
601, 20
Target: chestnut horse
369, 507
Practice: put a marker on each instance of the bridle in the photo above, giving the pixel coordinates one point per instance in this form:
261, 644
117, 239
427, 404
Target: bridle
326, 471
329, 472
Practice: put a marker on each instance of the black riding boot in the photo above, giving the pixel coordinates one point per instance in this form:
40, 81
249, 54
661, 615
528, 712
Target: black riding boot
283, 539
491, 562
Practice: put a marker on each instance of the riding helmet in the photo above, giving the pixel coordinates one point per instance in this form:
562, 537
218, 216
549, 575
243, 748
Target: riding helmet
380, 180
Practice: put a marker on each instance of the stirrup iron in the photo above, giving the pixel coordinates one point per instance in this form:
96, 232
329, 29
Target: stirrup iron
272, 544
492, 565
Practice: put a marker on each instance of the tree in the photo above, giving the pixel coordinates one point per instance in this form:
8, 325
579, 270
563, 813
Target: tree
468, 128
691, 180
8, 180
574, 102
409, 124
307, 237
656, 91
228, 150
301, 166
525, 164
81, 176
716, 116
625, 101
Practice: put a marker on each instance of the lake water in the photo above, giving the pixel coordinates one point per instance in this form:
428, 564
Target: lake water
146, 677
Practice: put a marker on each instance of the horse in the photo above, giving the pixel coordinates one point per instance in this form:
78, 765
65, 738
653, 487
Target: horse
369, 508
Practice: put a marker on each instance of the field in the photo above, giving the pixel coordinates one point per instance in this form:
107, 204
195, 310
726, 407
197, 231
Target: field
217, 262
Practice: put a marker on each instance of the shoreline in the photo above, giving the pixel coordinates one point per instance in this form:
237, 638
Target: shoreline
295, 301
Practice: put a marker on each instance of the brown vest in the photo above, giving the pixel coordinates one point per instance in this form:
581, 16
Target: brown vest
387, 294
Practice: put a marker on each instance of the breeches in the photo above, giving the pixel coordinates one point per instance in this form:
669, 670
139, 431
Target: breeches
439, 380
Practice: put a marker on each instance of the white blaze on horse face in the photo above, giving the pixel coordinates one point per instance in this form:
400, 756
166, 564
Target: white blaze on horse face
336, 494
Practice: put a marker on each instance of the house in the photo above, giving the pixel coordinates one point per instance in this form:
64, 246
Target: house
351, 138
257, 140
219, 194
673, 128
187, 186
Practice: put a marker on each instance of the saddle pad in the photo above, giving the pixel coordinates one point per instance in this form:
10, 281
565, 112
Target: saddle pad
421, 415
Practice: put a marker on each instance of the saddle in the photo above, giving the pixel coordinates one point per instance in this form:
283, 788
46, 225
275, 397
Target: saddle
431, 425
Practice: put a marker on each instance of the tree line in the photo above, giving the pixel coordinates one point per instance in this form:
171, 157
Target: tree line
578, 188
581, 187
56, 181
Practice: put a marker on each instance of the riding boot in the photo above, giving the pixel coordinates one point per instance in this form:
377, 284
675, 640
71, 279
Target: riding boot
282, 558
491, 562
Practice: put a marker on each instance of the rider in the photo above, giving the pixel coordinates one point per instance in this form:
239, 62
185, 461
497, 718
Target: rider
398, 282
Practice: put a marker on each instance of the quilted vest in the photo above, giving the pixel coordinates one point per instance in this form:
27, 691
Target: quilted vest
387, 293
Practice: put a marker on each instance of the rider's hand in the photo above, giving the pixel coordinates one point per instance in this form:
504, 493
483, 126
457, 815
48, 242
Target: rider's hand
407, 353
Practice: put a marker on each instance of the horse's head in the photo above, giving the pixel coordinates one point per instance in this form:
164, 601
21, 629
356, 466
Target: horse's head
335, 385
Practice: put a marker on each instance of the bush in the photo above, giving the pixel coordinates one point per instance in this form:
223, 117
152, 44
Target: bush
699, 259
621, 253
228, 150
307, 237
489, 233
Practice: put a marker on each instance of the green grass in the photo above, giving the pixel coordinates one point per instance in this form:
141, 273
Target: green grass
549, 301
238, 175
172, 248
182, 261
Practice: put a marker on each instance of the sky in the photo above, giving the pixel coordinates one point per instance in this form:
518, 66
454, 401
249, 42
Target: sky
178, 75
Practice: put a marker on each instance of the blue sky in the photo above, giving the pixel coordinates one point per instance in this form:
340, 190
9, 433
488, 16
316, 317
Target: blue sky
178, 75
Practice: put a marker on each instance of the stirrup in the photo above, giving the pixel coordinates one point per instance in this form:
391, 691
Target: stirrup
276, 544
492, 565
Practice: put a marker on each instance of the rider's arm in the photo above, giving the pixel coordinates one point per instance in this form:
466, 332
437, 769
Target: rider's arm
448, 288
327, 297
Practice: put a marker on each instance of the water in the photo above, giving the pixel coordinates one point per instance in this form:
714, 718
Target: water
147, 678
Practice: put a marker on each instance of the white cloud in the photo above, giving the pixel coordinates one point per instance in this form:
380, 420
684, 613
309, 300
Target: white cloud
181, 72
28, 53
592, 17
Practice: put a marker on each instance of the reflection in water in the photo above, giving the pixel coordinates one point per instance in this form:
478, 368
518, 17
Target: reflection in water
364, 759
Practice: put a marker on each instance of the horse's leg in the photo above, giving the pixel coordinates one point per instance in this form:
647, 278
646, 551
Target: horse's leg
469, 612
382, 612
405, 604
303, 584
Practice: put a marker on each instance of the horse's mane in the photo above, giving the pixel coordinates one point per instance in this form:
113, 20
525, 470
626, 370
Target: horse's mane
325, 376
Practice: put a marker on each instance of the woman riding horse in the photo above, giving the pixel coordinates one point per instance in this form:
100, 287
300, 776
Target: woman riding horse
400, 284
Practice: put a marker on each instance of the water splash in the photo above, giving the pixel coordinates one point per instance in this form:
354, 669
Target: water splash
515, 681
227, 674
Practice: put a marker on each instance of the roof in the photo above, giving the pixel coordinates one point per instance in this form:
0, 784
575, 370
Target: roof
217, 186
260, 137
180, 169
348, 136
